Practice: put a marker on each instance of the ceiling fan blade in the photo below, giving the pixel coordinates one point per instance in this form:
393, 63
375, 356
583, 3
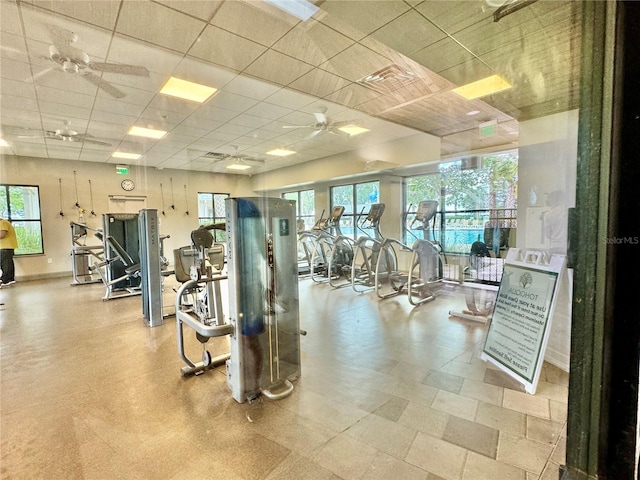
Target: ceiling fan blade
119, 68
90, 139
42, 74
104, 85
315, 133
321, 117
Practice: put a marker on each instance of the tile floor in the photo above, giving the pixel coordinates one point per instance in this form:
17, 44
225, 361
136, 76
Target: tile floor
387, 391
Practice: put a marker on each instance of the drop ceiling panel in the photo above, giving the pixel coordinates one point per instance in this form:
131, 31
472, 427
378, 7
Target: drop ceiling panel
213, 48
452, 16
362, 21
10, 18
277, 68
95, 12
159, 25
355, 63
407, 33
156, 59
195, 8
250, 87
443, 54
312, 42
319, 83
247, 21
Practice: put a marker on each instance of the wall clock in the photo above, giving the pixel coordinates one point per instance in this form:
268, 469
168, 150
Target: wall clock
127, 184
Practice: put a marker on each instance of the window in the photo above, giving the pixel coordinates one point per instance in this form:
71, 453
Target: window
476, 197
211, 210
21, 205
356, 200
305, 206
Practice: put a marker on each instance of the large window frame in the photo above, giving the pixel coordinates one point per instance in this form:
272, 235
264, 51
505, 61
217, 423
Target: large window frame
212, 210
305, 207
484, 197
20, 204
356, 198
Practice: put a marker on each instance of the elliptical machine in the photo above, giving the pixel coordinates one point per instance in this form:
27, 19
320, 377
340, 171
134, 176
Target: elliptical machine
426, 262
324, 245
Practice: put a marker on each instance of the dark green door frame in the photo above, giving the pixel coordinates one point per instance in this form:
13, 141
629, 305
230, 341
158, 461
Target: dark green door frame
604, 249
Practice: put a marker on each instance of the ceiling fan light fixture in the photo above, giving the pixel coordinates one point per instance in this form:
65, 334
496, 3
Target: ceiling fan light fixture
128, 156
69, 66
146, 132
353, 130
280, 152
483, 87
187, 90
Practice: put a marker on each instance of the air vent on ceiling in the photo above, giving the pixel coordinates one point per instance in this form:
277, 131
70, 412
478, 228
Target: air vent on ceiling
393, 78
215, 155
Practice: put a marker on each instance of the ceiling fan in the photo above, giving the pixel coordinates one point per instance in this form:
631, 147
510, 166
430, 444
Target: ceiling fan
75, 61
66, 134
323, 124
238, 162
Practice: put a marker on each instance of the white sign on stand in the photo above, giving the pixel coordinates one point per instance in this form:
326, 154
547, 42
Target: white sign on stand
521, 320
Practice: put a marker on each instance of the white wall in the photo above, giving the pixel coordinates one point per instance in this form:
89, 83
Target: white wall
46, 173
547, 165
417, 149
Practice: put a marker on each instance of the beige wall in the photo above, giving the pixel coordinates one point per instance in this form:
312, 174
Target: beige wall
46, 173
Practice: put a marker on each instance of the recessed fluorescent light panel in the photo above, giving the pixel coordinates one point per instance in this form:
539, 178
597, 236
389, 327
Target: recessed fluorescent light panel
187, 90
482, 88
280, 152
301, 9
146, 132
353, 129
238, 166
128, 156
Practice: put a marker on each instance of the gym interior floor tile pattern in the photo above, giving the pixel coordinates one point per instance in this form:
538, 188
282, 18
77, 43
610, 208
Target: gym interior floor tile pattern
88, 391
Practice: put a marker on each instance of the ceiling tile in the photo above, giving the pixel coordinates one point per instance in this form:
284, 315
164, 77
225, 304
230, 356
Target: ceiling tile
356, 62
196, 8
62, 111
319, 83
245, 20
98, 12
277, 68
19, 89
48, 94
290, 98
212, 46
443, 54
13, 48
251, 121
454, 15
362, 21
11, 101
91, 40
132, 52
13, 70
408, 33
117, 106
251, 87
312, 42
353, 95
169, 28
231, 101
10, 18
467, 72
198, 71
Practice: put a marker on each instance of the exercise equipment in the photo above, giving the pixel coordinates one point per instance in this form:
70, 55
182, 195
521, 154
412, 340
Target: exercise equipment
367, 248
150, 266
84, 257
198, 300
412, 270
321, 270
263, 297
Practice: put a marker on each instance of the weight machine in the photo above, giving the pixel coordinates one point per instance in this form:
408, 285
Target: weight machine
199, 300
84, 257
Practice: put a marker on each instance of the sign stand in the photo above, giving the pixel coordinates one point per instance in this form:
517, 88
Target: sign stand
521, 320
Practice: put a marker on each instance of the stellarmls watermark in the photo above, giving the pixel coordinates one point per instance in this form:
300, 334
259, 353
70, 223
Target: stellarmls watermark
622, 240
